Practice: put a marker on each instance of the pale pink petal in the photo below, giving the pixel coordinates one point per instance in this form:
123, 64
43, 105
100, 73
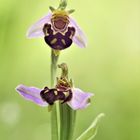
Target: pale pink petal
32, 94
79, 37
36, 30
80, 99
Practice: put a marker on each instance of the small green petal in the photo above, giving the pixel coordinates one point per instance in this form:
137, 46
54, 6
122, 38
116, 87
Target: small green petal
52, 8
71, 11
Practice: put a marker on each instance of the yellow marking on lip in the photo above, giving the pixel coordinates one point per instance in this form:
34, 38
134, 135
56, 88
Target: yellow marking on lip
53, 41
46, 91
63, 41
55, 92
66, 94
72, 34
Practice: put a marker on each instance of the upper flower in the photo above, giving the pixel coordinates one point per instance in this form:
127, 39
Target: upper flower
58, 29
63, 92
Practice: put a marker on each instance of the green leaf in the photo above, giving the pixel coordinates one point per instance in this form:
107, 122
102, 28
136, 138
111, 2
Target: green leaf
67, 122
90, 133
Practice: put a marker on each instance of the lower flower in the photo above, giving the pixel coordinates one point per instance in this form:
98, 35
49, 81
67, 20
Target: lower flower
63, 92
75, 98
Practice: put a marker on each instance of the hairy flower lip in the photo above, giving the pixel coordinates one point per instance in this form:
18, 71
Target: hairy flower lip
36, 30
79, 100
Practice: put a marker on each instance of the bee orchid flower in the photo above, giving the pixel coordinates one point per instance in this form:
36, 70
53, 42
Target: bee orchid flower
63, 92
77, 100
59, 30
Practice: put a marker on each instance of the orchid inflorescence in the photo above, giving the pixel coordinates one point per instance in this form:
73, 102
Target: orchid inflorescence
59, 31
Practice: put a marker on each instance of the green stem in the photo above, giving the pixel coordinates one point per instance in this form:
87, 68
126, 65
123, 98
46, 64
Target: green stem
62, 116
67, 119
54, 111
67, 115
54, 60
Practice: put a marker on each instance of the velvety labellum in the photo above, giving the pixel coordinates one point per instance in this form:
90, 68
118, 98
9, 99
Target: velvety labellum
52, 95
58, 40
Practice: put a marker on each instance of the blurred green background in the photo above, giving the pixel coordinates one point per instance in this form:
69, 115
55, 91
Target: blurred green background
109, 67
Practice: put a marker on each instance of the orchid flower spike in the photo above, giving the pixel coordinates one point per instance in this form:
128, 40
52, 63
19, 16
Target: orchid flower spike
58, 29
63, 92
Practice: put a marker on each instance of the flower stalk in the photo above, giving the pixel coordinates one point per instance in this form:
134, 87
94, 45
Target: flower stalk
54, 60
54, 111
67, 115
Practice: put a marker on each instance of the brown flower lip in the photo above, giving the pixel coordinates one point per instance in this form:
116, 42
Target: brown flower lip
52, 95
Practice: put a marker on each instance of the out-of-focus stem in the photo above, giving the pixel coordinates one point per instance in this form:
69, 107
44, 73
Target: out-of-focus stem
54, 112
67, 119
67, 115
